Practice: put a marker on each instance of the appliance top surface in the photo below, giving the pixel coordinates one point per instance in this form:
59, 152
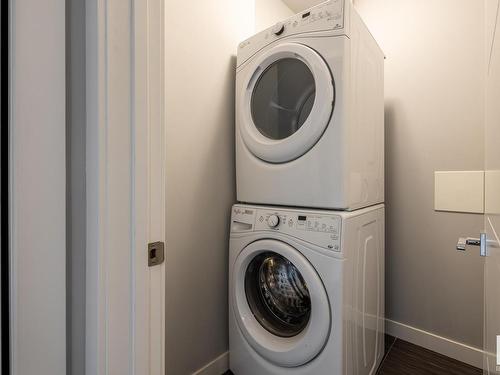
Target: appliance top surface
327, 16
305, 211
322, 228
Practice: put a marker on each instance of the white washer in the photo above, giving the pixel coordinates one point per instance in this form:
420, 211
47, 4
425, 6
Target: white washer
310, 112
306, 291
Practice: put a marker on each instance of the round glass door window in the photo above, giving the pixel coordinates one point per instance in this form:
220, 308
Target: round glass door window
282, 98
277, 294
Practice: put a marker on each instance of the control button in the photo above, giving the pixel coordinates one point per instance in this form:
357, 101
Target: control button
273, 221
278, 29
261, 219
290, 223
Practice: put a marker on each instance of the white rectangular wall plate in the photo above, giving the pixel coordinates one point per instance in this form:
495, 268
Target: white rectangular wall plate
459, 191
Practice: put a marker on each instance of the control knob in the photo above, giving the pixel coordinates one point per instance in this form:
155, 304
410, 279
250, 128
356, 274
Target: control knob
273, 221
278, 29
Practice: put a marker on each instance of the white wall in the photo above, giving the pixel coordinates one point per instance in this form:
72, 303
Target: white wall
269, 12
38, 187
434, 121
200, 69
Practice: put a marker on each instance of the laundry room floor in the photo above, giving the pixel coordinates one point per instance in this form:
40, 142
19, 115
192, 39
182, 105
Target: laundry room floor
403, 358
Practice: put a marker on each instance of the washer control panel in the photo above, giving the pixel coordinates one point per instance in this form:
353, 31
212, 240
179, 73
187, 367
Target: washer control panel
326, 16
321, 229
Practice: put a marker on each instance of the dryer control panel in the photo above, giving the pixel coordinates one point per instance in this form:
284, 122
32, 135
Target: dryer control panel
321, 229
329, 15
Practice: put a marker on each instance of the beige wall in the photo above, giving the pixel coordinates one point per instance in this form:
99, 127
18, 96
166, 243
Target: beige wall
434, 121
200, 74
200, 68
268, 12
300, 5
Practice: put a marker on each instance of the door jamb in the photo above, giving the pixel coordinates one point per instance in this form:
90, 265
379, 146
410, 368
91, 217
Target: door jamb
125, 309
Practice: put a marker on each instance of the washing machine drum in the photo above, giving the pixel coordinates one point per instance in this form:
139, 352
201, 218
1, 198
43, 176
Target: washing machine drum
280, 303
287, 102
277, 294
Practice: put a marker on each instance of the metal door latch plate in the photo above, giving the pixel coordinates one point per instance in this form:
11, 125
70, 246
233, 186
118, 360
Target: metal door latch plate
156, 253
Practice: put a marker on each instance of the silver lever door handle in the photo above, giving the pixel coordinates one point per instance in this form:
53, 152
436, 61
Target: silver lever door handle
481, 242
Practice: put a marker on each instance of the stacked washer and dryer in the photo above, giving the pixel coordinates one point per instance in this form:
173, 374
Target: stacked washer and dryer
306, 262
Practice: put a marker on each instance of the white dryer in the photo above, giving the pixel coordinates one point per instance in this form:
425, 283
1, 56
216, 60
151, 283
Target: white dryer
306, 291
310, 112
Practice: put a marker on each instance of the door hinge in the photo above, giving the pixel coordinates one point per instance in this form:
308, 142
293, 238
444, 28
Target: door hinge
156, 253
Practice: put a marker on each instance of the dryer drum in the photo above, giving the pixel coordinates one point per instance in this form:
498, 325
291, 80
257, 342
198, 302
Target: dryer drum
277, 294
283, 98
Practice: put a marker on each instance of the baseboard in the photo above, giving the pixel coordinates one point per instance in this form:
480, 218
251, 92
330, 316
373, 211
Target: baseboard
216, 367
490, 364
453, 349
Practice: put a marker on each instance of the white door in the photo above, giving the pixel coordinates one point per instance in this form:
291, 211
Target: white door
287, 103
492, 193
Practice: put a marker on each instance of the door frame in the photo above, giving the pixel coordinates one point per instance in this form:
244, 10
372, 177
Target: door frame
125, 183
4, 193
491, 185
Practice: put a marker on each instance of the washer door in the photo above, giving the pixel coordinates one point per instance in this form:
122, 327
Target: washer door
287, 103
280, 303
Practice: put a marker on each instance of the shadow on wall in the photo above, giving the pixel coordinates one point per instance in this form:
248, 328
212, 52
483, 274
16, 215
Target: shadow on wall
389, 141
198, 224
233, 66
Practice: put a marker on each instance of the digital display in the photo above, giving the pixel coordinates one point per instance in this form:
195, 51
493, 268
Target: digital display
307, 14
302, 218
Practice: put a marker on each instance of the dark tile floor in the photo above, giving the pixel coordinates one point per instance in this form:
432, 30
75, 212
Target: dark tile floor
403, 358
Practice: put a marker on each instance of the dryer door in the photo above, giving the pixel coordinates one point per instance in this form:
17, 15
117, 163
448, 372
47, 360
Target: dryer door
280, 303
286, 104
